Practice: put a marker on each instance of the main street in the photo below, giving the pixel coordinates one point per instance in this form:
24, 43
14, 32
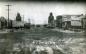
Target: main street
42, 39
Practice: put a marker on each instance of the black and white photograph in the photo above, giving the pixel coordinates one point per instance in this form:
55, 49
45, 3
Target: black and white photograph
42, 27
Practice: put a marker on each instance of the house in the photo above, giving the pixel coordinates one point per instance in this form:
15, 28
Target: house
71, 21
76, 22
18, 24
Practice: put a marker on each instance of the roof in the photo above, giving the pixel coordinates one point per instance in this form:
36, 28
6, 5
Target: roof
77, 18
71, 17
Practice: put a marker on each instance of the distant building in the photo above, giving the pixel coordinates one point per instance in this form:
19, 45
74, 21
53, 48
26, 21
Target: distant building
59, 21
18, 24
45, 25
76, 22
71, 21
51, 20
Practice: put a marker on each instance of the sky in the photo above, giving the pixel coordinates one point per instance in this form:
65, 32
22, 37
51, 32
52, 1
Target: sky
38, 12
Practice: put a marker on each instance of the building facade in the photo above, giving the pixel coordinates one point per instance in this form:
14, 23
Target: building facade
59, 21
72, 21
76, 22
18, 24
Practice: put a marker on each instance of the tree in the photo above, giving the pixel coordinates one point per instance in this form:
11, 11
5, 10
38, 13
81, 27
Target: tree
18, 17
51, 20
3, 22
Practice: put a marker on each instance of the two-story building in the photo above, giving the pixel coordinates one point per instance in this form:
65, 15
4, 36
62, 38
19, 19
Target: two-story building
66, 21
58, 21
72, 21
76, 22
18, 23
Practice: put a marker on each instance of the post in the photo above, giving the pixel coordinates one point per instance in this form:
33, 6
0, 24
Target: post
8, 13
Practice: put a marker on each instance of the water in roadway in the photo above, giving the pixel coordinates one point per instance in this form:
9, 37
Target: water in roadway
38, 40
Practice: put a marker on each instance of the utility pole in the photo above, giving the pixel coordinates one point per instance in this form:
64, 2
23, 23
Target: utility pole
8, 13
9, 38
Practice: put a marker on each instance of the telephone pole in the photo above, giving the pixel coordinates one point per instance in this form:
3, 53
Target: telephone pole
8, 13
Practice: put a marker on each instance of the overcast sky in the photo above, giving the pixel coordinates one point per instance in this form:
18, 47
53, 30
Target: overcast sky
38, 12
